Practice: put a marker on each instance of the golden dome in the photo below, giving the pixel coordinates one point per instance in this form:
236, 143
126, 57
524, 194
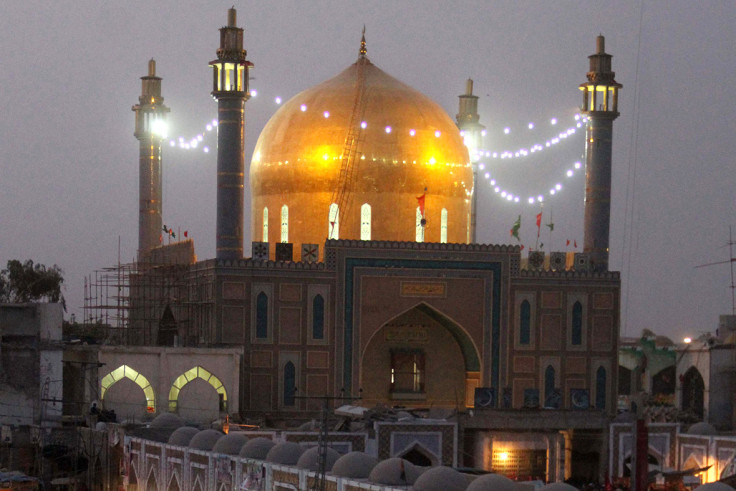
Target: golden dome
405, 146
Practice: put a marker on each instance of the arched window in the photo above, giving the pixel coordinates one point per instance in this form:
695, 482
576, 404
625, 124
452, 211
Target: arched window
284, 224
443, 226
693, 389
600, 388
318, 317
262, 316
365, 222
190, 375
333, 222
265, 224
124, 371
525, 320
289, 383
577, 324
549, 387
420, 227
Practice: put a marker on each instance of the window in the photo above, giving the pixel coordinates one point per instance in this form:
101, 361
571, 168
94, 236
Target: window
318, 317
420, 226
407, 371
365, 222
265, 224
443, 226
284, 224
525, 320
577, 324
600, 388
333, 222
262, 316
190, 375
124, 371
289, 384
549, 387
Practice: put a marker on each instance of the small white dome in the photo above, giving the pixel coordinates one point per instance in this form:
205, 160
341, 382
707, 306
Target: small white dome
257, 448
205, 439
355, 465
286, 453
310, 459
441, 479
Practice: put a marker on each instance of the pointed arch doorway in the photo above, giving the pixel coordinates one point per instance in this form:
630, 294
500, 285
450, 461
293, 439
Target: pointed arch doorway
420, 358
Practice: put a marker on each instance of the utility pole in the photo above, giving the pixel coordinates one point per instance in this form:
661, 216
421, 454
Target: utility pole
319, 482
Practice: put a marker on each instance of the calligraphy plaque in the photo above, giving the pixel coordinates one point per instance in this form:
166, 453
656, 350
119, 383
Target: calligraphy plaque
423, 289
408, 333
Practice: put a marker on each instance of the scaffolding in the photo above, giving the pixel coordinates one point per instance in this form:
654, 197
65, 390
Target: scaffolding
163, 299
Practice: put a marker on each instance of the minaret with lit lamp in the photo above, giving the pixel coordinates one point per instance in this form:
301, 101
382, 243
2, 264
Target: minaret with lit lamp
230, 89
600, 106
472, 132
150, 130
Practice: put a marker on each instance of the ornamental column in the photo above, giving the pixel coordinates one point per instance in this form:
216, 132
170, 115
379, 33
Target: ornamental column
600, 105
230, 89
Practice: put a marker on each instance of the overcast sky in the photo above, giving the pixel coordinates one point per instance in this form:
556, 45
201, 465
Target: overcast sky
69, 74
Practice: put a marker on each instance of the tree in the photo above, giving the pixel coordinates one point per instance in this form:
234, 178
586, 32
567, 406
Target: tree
28, 282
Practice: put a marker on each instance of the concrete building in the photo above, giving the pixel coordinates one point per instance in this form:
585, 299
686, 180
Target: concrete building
31, 352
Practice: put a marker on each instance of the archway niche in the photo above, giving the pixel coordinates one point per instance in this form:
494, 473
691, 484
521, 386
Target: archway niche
419, 358
693, 389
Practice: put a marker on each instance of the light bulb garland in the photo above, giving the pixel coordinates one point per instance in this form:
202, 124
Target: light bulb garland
197, 142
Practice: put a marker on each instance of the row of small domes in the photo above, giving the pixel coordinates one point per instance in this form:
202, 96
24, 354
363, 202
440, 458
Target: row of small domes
354, 465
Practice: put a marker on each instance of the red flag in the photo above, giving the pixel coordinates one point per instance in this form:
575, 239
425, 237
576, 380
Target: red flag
576, 244
568, 242
420, 203
186, 233
522, 247
539, 222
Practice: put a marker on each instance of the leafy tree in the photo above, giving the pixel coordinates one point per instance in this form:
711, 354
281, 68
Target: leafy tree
28, 282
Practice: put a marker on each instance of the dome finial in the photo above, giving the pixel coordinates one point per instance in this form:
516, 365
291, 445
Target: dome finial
363, 49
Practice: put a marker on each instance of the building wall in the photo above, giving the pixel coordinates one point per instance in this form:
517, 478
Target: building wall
119, 377
31, 370
552, 297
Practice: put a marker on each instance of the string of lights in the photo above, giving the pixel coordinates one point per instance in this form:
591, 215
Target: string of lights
198, 142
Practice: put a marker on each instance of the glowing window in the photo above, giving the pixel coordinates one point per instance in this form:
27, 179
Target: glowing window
289, 384
265, 224
407, 371
420, 226
262, 316
124, 371
188, 376
318, 317
600, 388
525, 318
443, 226
577, 324
333, 222
365, 222
284, 224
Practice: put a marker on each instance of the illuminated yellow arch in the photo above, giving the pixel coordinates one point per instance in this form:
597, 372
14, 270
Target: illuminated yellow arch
188, 376
124, 371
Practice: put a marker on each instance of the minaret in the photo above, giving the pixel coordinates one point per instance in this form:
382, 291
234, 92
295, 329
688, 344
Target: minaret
150, 130
467, 121
600, 105
230, 89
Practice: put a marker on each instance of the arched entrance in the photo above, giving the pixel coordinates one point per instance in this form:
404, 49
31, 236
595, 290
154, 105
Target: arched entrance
193, 397
693, 389
419, 358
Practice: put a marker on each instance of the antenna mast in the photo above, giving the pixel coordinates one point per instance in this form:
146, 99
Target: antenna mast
731, 260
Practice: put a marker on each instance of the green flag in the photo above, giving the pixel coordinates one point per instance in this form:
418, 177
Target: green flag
515, 228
